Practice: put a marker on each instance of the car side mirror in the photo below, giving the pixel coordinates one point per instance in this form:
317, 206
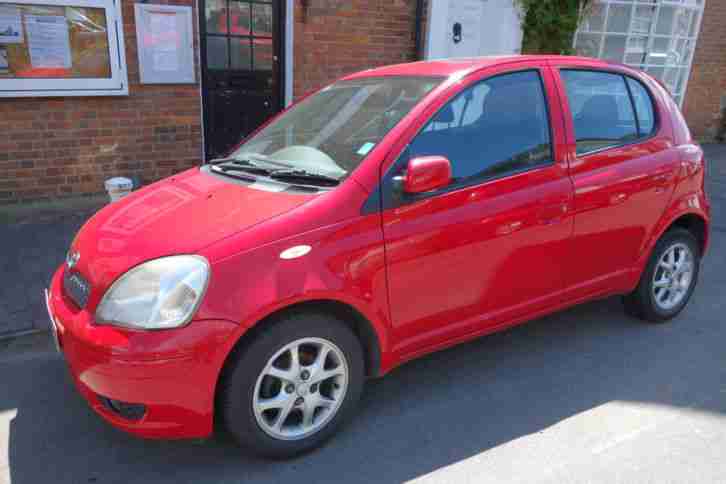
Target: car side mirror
425, 174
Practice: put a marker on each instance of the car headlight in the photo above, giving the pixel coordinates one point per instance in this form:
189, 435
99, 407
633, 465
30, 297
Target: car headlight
161, 293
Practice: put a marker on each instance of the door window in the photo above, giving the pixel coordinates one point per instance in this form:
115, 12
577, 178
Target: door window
239, 35
601, 108
493, 128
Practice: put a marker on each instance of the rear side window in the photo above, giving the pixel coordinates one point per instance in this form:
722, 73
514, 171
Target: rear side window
643, 107
494, 128
602, 112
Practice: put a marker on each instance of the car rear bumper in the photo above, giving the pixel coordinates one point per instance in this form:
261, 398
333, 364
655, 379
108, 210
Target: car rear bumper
167, 377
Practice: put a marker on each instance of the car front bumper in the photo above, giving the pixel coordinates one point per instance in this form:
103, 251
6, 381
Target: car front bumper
168, 376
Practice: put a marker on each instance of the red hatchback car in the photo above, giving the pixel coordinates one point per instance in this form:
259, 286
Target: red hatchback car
393, 213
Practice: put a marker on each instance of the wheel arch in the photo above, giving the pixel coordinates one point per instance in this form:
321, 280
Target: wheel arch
361, 326
696, 224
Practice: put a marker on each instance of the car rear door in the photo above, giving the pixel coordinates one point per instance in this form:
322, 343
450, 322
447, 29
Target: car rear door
623, 167
487, 249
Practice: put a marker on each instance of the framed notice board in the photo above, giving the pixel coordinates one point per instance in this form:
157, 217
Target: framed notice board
62, 48
166, 44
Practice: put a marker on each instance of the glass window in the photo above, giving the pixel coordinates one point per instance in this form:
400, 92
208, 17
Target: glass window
652, 35
643, 107
332, 131
619, 18
217, 55
240, 54
215, 13
601, 109
497, 126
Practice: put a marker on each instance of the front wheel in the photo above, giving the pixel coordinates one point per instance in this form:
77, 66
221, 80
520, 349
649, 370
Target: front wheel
669, 278
293, 385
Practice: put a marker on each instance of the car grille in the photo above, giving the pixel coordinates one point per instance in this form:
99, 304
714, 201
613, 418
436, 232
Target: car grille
76, 288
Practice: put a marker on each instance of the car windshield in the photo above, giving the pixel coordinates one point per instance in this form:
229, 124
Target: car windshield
330, 132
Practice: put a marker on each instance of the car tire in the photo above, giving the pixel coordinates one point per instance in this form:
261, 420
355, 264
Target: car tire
662, 292
254, 380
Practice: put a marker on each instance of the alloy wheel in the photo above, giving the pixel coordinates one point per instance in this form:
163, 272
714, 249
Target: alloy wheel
300, 389
673, 276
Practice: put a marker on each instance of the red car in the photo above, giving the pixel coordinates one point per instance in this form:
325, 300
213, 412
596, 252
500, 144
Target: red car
393, 213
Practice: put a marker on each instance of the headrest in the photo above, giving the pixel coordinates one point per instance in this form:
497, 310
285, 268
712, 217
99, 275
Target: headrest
509, 104
600, 107
445, 115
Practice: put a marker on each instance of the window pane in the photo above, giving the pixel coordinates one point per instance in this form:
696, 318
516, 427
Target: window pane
637, 47
217, 55
619, 18
595, 19
643, 19
614, 49
683, 22
601, 109
215, 13
241, 54
239, 18
660, 51
643, 106
263, 54
262, 19
665, 20
588, 44
495, 127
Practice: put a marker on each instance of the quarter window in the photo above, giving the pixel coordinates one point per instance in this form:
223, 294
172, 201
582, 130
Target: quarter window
601, 109
493, 128
643, 107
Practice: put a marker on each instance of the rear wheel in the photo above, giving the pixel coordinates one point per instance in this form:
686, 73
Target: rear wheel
293, 386
669, 278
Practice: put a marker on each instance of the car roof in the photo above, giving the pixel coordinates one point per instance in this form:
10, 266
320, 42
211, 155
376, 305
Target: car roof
464, 66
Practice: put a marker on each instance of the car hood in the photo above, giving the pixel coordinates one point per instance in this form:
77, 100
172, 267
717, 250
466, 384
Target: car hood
178, 215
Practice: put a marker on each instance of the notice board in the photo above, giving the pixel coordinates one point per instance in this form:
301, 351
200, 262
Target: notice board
166, 45
77, 46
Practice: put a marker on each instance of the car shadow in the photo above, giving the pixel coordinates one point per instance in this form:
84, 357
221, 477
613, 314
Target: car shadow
428, 414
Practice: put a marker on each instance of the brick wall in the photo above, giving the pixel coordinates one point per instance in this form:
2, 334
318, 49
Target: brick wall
55, 147
706, 95
338, 37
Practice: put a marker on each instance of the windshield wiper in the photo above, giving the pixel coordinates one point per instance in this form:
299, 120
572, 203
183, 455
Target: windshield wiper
300, 174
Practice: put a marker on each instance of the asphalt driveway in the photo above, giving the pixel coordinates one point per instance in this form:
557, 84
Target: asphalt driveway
584, 395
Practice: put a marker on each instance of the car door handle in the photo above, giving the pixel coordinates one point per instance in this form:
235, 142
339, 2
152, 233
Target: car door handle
552, 214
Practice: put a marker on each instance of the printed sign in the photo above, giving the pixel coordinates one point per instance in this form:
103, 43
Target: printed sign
48, 41
162, 27
11, 28
4, 64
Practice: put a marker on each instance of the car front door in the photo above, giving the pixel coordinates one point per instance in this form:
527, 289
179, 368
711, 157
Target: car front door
487, 249
624, 171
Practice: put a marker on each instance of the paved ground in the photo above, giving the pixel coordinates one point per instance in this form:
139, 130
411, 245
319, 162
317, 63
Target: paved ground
34, 242
585, 395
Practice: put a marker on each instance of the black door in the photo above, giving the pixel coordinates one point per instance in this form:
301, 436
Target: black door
242, 74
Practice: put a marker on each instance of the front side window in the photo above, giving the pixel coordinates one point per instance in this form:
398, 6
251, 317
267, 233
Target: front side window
493, 128
601, 109
332, 131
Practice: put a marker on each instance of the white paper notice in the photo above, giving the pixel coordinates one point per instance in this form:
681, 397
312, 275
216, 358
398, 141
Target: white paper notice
11, 28
165, 54
48, 41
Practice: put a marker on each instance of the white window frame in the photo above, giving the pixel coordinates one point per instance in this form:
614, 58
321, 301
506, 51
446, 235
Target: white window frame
696, 7
116, 85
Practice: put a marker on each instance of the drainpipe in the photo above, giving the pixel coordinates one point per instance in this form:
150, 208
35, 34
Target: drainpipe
418, 33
